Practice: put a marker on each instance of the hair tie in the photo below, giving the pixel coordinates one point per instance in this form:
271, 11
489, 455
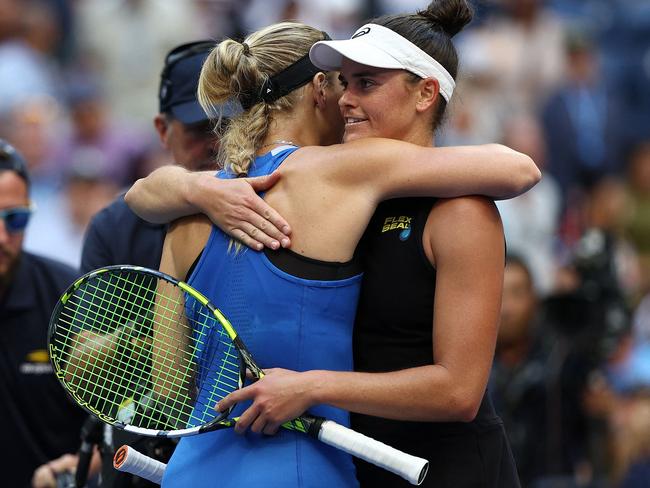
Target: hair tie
247, 49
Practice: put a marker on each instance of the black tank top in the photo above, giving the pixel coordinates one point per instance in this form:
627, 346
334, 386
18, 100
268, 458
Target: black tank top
393, 331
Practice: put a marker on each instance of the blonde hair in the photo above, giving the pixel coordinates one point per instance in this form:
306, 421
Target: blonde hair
238, 70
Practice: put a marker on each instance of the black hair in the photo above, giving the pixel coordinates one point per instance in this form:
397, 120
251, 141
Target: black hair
431, 30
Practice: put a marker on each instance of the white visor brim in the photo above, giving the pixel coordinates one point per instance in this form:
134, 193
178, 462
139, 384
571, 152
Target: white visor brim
380, 47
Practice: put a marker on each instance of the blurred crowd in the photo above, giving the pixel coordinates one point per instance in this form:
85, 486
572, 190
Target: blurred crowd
563, 81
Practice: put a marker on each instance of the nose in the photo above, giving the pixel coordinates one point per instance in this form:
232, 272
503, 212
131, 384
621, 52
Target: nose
346, 100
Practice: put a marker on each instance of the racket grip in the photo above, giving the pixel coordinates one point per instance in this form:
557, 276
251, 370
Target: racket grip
131, 461
411, 468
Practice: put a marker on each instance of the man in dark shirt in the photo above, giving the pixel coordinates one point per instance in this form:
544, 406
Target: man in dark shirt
117, 236
520, 374
40, 422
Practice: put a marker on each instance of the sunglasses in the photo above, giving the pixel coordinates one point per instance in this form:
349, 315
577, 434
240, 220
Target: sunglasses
16, 218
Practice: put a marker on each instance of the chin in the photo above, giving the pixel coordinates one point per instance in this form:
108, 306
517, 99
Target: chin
349, 137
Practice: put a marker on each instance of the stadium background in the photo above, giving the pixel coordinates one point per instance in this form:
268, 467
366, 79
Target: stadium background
566, 81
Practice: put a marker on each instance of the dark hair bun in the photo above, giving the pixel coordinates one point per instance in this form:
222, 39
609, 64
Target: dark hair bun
449, 15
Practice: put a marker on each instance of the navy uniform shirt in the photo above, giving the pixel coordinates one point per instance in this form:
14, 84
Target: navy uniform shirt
118, 236
39, 421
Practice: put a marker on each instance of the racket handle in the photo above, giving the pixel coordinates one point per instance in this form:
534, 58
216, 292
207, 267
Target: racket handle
131, 461
411, 468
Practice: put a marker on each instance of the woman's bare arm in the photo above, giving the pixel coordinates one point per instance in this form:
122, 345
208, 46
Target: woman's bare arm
383, 167
171, 192
387, 168
169, 352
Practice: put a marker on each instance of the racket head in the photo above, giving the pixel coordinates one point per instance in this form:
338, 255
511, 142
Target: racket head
144, 352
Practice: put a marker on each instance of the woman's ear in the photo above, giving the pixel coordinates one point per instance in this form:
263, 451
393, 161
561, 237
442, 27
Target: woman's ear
428, 92
319, 84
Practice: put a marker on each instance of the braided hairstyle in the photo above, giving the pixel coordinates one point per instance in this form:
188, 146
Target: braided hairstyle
235, 69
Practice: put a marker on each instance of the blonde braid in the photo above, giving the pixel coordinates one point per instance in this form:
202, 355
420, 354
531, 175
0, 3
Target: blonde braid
236, 69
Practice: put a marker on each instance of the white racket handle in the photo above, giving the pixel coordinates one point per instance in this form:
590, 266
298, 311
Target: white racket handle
131, 461
411, 468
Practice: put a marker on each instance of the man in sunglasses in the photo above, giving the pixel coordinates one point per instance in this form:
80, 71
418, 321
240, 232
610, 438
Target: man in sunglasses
40, 422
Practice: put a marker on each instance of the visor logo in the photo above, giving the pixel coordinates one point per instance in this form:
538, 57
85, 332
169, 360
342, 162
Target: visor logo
361, 32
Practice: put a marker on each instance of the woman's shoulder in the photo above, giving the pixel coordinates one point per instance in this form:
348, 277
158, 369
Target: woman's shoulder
186, 238
463, 219
464, 228
465, 207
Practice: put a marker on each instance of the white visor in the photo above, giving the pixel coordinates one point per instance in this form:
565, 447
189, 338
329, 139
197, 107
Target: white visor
380, 47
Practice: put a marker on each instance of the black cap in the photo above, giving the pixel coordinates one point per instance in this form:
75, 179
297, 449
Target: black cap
12, 160
179, 81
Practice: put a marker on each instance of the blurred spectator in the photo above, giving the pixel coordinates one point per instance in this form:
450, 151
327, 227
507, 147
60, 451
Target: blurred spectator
591, 316
64, 212
383, 7
524, 49
628, 369
41, 423
26, 35
630, 427
606, 208
638, 221
339, 18
530, 221
221, 18
520, 373
478, 109
88, 191
641, 322
33, 126
42, 27
122, 41
582, 120
114, 149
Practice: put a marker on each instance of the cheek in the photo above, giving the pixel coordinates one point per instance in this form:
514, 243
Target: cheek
336, 121
12, 245
383, 122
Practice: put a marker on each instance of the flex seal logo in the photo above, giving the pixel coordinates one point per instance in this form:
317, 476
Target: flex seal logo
36, 362
361, 32
401, 223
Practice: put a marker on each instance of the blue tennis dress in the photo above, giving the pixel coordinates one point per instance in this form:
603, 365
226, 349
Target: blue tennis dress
286, 322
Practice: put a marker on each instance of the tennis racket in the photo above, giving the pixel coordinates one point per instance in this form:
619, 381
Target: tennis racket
149, 354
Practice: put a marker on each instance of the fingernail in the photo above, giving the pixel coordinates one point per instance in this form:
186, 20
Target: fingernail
259, 247
285, 242
275, 245
286, 229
